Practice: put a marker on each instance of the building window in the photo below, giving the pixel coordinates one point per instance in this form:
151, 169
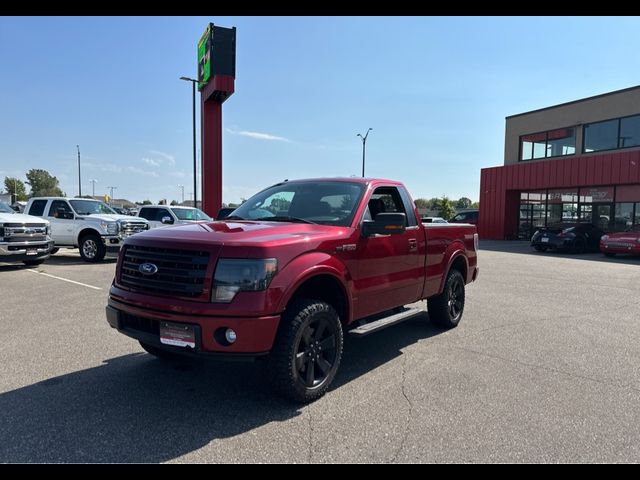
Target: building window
630, 132
612, 134
554, 143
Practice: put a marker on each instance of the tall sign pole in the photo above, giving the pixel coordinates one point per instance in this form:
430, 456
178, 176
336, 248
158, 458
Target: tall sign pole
79, 176
216, 77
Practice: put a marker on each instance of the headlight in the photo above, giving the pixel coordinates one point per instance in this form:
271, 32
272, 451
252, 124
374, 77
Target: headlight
235, 275
110, 227
604, 238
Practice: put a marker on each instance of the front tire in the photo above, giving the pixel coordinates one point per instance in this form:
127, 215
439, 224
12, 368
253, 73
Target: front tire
307, 350
92, 249
447, 308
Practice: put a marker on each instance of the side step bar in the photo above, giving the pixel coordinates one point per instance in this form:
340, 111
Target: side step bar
385, 322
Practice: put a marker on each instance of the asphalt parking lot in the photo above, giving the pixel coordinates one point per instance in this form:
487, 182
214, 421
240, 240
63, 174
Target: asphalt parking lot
545, 367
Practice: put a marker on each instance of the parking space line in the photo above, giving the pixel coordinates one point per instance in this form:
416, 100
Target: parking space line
64, 279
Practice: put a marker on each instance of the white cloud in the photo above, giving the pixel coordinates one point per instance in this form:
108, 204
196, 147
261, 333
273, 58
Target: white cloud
178, 174
168, 159
258, 135
150, 161
139, 171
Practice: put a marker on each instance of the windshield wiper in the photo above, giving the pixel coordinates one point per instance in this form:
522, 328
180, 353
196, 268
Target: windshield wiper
284, 218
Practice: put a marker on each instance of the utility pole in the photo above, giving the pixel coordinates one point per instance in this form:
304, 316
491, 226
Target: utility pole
112, 189
79, 176
93, 186
364, 141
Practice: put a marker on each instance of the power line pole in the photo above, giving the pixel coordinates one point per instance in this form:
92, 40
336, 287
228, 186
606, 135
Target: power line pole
93, 186
364, 141
112, 189
79, 176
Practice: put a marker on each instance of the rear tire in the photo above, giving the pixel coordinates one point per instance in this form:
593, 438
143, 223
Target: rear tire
92, 249
447, 308
159, 352
307, 350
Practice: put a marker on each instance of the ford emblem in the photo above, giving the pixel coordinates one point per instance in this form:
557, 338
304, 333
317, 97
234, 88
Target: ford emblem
148, 269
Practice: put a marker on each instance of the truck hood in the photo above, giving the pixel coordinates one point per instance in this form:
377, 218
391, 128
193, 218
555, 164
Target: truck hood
259, 234
21, 218
105, 217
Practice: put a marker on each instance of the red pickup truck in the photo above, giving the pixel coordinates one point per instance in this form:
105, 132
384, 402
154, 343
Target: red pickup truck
287, 273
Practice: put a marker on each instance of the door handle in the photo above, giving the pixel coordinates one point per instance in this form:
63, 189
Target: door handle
413, 245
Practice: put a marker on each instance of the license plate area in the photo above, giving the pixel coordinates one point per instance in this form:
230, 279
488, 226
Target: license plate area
32, 251
545, 240
178, 334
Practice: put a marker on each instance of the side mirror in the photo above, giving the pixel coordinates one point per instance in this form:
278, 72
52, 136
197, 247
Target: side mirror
385, 224
67, 215
167, 220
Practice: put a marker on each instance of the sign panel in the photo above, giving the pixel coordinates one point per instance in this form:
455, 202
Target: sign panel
204, 57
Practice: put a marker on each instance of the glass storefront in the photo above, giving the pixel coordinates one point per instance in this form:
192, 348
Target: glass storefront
613, 209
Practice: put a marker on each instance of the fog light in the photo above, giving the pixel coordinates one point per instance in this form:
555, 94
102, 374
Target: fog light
230, 336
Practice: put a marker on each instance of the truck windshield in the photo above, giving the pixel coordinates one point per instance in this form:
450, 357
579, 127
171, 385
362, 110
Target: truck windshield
190, 214
87, 207
4, 208
327, 203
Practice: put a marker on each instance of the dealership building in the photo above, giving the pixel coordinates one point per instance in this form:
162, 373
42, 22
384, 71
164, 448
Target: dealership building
574, 162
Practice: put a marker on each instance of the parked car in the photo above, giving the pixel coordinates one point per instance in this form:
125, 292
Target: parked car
433, 220
119, 210
23, 238
317, 258
164, 215
622, 242
576, 237
90, 225
468, 216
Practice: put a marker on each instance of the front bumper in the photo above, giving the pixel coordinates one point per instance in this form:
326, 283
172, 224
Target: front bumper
20, 251
255, 335
554, 243
621, 247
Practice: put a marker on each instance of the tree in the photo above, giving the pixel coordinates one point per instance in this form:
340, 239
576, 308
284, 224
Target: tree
174, 202
146, 202
445, 208
43, 184
464, 202
475, 205
162, 201
15, 187
421, 203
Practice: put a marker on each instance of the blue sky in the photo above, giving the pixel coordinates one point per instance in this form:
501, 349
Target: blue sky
434, 90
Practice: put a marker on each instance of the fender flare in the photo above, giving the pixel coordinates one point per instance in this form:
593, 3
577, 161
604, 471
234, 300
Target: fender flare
454, 251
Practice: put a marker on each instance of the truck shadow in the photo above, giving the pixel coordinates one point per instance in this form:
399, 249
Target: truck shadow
135, 408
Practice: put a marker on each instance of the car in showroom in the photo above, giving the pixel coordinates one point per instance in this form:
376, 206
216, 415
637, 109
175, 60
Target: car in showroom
574, 237
627, 242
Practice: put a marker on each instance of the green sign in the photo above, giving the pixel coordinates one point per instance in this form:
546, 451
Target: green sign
204, 58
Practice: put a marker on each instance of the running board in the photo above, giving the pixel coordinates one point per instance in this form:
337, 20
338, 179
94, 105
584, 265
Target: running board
385, 322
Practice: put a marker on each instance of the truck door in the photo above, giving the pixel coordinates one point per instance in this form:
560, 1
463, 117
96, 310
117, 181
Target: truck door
390, 268
62, 222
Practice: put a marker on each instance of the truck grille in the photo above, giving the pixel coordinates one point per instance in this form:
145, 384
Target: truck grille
25, 232
620, 244
180, 272
131, 228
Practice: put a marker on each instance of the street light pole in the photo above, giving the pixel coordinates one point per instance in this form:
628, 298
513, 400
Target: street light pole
195, 170
364, 142
182, 188
93, 186
79, 176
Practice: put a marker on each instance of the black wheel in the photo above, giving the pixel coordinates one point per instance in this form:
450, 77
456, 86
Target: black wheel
307, 350
540, 248
579, 246
446, 309
32, 263
92, 249
54, 251
609, 254
159, 352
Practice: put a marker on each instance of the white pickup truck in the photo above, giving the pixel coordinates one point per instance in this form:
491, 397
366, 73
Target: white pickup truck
89, 225
23, 238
